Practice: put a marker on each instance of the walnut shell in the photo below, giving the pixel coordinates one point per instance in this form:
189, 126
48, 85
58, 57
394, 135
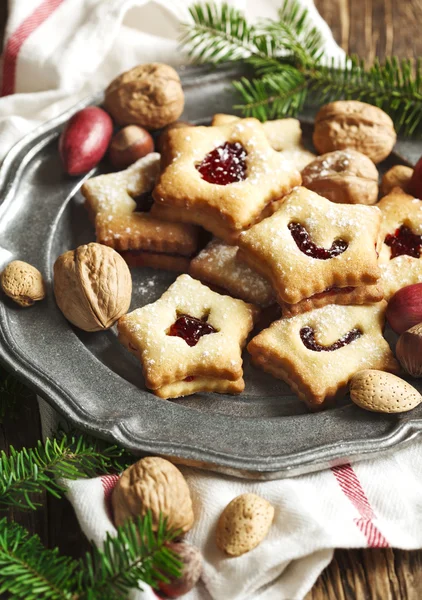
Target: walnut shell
343, 176
23, 283
356, 125
153, 484
93, 286
397, 176
148, 95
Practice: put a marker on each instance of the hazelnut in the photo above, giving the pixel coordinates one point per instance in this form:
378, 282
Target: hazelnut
163, 135
153, 484
128, 145
191, 559
93, 286
343, 176
404, 310
23, 283
356, 125
397, 176
409, 350
148, 95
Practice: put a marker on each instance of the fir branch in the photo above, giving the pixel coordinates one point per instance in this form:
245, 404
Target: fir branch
31, 471
29, 571
291, 70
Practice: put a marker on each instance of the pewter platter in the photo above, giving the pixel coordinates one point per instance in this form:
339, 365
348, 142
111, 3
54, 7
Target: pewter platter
94, 382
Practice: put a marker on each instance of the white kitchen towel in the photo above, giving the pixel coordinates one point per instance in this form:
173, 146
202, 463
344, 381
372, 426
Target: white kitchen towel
58, 51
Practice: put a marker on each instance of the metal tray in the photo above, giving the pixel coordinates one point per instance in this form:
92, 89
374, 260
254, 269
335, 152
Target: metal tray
94, 382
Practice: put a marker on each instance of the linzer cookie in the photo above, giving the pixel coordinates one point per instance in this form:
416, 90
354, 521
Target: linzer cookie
190, 340
317, 352
365, 294
310, 245
218, 265
284, 135
401, 233
119, 204
223, 177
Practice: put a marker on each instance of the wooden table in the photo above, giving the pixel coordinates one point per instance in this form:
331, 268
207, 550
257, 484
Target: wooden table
370, 28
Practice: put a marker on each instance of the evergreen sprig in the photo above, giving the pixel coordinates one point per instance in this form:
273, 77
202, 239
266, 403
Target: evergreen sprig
287, 57
137, 554
28, 472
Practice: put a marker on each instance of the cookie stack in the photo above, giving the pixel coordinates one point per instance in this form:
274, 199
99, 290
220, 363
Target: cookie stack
328, 265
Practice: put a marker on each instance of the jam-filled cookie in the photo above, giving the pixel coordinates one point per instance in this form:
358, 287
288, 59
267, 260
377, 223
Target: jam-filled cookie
222, 177
218, 265
401, 233
190, 340
317, 352
310, 245
119, 204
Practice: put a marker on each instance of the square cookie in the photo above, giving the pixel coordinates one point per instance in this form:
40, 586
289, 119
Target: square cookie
401, 235
317, 352
223, 177
190, 340
118, 203
310, 245
218, 265
284, 135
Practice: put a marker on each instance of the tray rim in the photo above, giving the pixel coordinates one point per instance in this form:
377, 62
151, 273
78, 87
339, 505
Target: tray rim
271, 467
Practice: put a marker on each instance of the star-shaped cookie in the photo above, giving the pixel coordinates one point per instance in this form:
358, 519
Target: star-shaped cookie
190, 340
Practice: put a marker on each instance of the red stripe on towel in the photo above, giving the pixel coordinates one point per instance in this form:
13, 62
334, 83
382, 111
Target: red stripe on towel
108, 482
352, 488
18, 38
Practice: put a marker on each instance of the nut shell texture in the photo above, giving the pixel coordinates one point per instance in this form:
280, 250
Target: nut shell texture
93, 286
23, 283
191, 558
343, 176
153, 484
355, 125
409, 350
397, 176
243, 524
148, 95
378, 391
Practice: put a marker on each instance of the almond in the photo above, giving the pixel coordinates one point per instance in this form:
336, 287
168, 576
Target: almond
378, 391
243, 524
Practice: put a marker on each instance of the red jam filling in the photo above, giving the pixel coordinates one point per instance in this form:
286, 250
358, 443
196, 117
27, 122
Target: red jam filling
144, 202
307, 335
189, 378
307, 246
190, 329
225, 164
403, 241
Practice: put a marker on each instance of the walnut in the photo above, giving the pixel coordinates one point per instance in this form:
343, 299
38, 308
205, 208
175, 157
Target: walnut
397, 176
148, 95
93, 286
356, 125
23, 283
153, 484
343, 176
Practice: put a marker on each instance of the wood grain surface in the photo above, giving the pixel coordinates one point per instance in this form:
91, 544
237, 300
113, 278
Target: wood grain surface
370, 28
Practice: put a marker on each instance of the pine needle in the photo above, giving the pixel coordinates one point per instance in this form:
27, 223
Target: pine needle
287, 56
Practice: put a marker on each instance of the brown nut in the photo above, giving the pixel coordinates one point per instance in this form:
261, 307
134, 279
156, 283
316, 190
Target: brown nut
23, 283
356, 125
128, 145
397, 176
343, 176
409, 350
191, 558
378, 391
93, 286
153, 484
148, 95
243, 524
